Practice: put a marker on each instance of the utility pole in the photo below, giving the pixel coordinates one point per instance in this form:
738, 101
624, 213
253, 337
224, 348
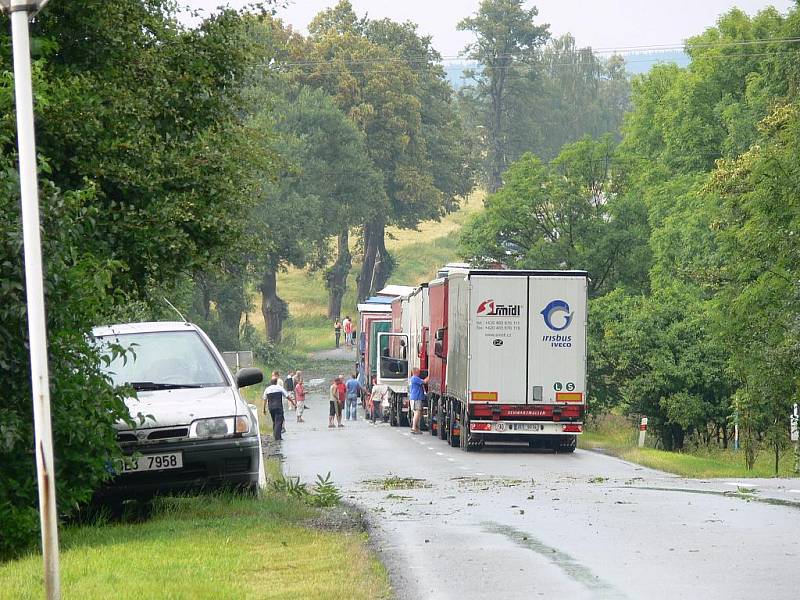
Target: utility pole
20, 12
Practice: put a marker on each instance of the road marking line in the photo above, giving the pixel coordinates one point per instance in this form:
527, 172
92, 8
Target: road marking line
794, 491
451, 459
430, 447
463, 468
739, 484
440, 454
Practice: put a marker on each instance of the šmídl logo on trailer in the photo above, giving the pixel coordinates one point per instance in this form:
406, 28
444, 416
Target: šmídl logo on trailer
489, 308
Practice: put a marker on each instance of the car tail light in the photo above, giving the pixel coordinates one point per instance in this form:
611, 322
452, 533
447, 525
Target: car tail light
572, 429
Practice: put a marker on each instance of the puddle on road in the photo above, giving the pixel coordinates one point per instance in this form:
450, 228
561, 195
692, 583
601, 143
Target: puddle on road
600, 589
741, 495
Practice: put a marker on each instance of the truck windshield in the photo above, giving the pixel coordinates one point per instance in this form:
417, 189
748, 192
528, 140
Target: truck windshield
161, 360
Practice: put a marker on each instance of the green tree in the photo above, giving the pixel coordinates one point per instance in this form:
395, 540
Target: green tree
564, 215
507, 41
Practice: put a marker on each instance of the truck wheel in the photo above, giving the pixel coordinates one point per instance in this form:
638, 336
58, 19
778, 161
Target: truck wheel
433, 417
454, 439
402, 417
444, 421
567, 444
464, 425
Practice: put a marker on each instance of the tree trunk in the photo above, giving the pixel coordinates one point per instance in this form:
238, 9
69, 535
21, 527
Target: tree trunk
498, 145
273, 307
384, 264
336, 276
368, 264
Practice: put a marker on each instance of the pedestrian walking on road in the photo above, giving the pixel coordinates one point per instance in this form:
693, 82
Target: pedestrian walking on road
416, 394
376, 399
299, 395
273, 398
288, 385
341, 390
337, 331
335, 407
347, 324
353, 392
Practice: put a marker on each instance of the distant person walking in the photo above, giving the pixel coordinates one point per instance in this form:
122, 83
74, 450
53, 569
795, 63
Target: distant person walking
348, 331
273, 398
353, 391
416, 394
335, 407
288, 385
300, 395
337, 330
341, 391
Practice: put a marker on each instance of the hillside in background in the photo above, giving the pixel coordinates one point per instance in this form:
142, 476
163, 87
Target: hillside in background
418, 255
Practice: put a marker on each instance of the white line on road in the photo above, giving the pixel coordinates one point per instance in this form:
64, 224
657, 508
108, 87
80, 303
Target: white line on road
740, 484
463, 468
440, 454
451, 459
794, 491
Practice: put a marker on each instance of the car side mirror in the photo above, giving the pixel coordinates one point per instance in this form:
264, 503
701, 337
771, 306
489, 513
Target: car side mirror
248, 376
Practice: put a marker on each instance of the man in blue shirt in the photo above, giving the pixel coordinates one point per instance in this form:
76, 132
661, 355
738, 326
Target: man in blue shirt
416, 394
353, 389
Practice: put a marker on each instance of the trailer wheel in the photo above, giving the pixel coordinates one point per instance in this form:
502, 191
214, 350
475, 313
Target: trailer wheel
454, 439
433, 416
464, 427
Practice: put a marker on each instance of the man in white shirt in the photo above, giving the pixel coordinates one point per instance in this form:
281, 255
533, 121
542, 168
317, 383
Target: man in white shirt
273, 399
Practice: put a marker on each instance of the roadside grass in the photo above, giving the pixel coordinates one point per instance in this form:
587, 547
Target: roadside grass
210, 546
616, 436
418, 253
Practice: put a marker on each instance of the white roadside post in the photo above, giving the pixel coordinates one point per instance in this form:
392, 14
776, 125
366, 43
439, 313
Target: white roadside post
20, 11
795, 435
642, 431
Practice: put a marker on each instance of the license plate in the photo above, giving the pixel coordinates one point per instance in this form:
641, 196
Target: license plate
527, 427
153, 462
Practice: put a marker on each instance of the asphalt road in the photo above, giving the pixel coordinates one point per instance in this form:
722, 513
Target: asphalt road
508, 523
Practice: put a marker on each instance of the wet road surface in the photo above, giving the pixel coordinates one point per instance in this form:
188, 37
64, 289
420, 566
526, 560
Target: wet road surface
509, 523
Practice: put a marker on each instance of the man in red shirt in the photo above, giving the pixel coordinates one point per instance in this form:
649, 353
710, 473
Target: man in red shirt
341, 391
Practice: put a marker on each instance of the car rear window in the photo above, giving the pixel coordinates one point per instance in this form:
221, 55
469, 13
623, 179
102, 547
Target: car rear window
162, 357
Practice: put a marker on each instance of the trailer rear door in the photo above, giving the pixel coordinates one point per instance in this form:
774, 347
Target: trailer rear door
498, 337
557, 322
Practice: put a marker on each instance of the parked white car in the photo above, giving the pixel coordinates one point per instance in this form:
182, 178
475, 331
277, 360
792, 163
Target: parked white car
193, 429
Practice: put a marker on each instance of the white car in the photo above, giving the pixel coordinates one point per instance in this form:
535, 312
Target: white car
193, 429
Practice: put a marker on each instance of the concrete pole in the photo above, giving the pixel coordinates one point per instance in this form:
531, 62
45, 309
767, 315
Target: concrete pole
642, 431
40, 381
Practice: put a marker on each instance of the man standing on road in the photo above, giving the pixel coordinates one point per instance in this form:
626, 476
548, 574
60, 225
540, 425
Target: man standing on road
337, 331
273, 396
377, 397
288, 385
335, 409
416, 394
353, 390
348, 328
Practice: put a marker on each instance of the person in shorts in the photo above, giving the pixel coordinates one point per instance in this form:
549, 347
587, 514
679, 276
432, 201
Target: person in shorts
416, 394
377, 397
335, 406
299, 396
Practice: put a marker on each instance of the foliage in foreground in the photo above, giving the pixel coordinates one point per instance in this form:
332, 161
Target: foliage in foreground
236, 546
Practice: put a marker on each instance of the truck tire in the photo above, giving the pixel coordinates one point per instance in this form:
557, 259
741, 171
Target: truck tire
433, 416
567, 444
464, 426
444, 422
455, 440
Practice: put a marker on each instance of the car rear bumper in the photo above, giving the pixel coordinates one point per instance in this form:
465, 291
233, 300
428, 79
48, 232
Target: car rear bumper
207, 464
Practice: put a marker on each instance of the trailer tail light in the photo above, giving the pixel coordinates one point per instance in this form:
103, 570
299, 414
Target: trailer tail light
484, 396
572, 429
569, 396
480, 426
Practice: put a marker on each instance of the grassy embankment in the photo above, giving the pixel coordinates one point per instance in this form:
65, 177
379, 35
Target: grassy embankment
219, 546
418, 254
616, 436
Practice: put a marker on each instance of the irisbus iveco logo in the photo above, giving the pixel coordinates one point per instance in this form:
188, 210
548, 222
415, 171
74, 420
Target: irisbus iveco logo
489, 308
552, 317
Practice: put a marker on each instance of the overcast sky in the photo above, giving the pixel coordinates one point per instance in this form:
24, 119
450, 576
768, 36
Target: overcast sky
602, 24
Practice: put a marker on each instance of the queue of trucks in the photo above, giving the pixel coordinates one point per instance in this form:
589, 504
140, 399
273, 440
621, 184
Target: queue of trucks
503, 352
